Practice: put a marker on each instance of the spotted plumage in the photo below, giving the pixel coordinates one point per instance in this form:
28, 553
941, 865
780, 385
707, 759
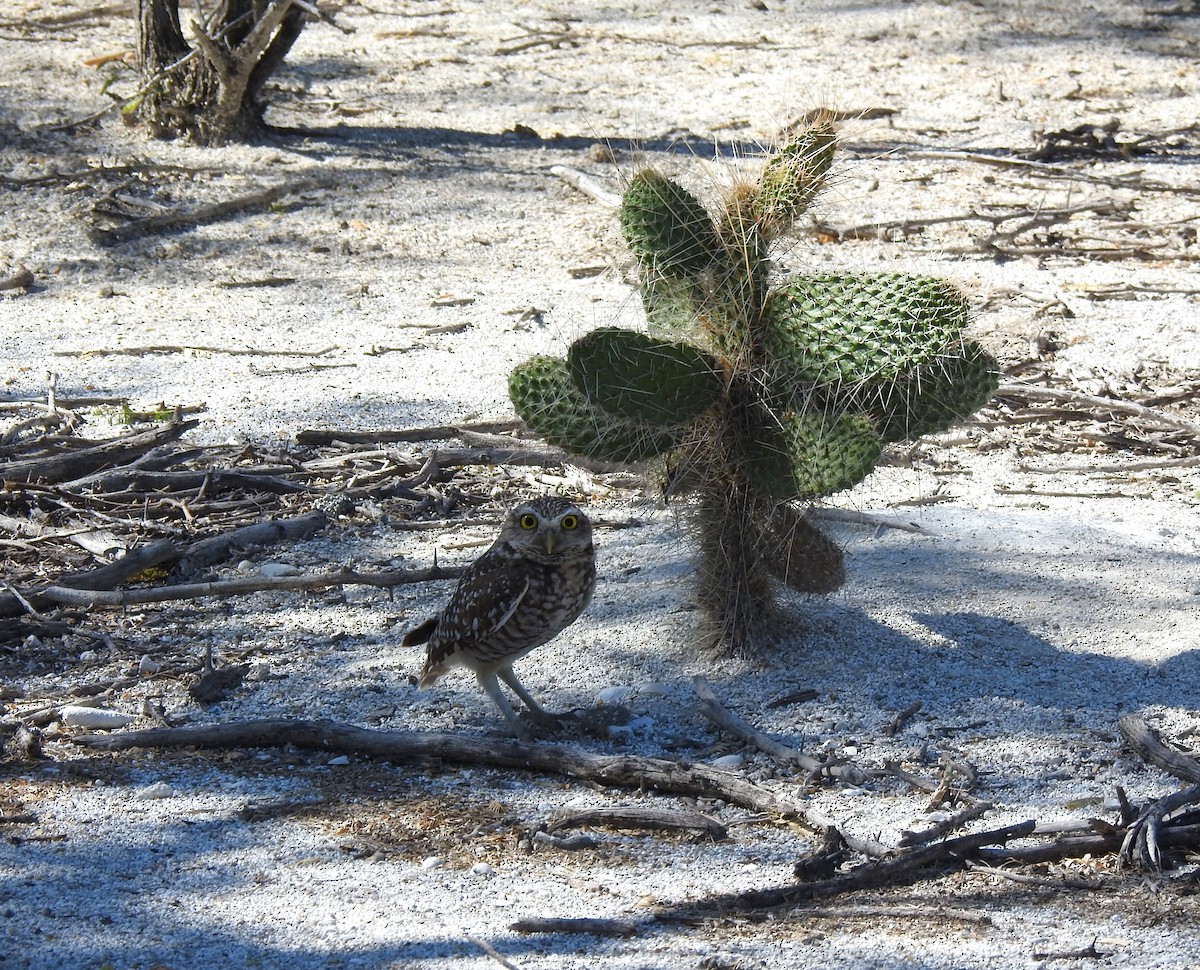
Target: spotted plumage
533, 582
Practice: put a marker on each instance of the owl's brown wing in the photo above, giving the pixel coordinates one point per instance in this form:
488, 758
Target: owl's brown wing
484, 600
482, 603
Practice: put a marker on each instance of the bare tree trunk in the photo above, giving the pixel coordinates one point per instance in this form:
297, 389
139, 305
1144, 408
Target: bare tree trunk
209, 90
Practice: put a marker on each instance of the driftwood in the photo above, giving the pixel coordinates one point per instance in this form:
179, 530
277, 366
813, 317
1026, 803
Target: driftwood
622, 771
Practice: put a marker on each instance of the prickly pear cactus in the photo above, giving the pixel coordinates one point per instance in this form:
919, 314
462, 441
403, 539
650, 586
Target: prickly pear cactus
768, 395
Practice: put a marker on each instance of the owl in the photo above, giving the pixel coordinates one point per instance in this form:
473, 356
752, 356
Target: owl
533, 583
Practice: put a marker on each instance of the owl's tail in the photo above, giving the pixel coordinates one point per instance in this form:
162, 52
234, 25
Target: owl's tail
430, 671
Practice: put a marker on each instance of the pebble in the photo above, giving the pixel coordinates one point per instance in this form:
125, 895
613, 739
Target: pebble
88, 656
483, 869
432, 862
274, 570
147, 665
341, 759
729, 761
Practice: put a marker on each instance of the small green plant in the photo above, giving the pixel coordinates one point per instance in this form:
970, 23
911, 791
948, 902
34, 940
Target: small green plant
760, 394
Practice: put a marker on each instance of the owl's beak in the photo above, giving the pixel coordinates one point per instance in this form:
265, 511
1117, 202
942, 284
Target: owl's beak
549, 543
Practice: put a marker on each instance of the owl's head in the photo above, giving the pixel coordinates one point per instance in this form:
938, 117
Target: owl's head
548, 529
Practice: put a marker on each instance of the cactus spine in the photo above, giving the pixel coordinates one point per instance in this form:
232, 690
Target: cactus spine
766, 397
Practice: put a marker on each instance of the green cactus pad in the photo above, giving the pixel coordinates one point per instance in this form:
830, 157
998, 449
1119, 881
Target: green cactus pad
814, 454
548, 401
643, 378
934, 396
793, 177
666, 227
671, 304
852, 330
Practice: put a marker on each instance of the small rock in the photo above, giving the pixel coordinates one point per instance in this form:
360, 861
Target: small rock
432, 862
160, 789
274, 570
642, 724
729, 761
341, 759
88, 656
148, 665
483, 869
614, 695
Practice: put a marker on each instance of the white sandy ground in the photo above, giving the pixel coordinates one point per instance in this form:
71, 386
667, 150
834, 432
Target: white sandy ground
1025, 624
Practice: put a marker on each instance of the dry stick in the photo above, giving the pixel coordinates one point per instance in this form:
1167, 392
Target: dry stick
1034, 392
200, 555
725, 719
393, 435
200, 215
633, 817
940, 829
1145, 834
896, 725
240, 587
544, 924
587, 185
867, 518
624, 771
491, 951
192, 348
56, 468
904, 869
1145, 741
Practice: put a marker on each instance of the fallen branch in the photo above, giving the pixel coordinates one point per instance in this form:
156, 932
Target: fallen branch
1145, 741
200, 215
200, 555
789, 757
586, 926
119, 598
623, 771
903, 869
82, 461
1035, 392
634, 817
587, 185
191, 348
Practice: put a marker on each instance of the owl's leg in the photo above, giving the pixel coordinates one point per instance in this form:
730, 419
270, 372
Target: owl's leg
535, 710
491, 687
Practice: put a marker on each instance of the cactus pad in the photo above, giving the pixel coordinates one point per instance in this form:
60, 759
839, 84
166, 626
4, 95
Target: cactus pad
642, 378
850, 330
934, 396
666, 227
793, 177
813, 454
548, 401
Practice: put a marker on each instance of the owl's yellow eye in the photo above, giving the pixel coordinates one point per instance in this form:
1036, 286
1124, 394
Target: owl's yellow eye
528, 521
570, 522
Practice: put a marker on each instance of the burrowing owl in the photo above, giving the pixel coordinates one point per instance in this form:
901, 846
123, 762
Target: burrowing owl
533, 582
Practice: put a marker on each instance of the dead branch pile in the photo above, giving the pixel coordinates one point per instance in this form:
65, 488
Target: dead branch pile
144, 517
